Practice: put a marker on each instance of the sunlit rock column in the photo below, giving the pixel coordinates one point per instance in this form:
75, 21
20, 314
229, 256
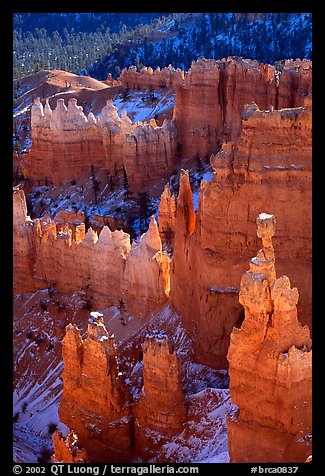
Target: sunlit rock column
269, 366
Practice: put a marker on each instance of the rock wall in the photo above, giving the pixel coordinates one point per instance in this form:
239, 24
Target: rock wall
213, 94
95, 400
107, 267
65, 143
270, 361
295, 83
267, 167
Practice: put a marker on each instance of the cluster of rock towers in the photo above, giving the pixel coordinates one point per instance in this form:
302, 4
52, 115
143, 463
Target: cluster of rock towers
270, 380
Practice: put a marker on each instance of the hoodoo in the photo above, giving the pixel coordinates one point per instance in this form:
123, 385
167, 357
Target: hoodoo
95, 400
67, 450
270, 360
161, 403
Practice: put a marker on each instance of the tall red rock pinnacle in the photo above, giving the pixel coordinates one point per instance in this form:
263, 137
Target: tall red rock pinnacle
270, 362
167, 216
161, 403
160, 406
95, 400
185, 215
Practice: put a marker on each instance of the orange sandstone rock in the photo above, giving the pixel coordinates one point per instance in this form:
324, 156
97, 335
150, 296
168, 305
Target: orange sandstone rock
209, 103
167, 216
65, 143
213, 94
161, 404
68, 450
105, 266
95, 400
269, 366
23, 244
209, 100
267, 167
147, 78
295, 83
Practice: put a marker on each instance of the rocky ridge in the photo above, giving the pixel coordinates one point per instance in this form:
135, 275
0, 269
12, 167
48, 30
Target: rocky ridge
210, 97
107, 267
65, 142
147, 78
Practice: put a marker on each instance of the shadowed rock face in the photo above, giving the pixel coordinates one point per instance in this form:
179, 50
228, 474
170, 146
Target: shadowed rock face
270, 362
97, 405
95, 400
267, 167
105, 265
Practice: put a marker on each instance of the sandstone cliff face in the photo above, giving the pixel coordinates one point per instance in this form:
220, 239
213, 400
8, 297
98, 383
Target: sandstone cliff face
209, 100
67, 450
65, 143
107, 267
295, 83
95, 401
213, 94
268, 167
269, 366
